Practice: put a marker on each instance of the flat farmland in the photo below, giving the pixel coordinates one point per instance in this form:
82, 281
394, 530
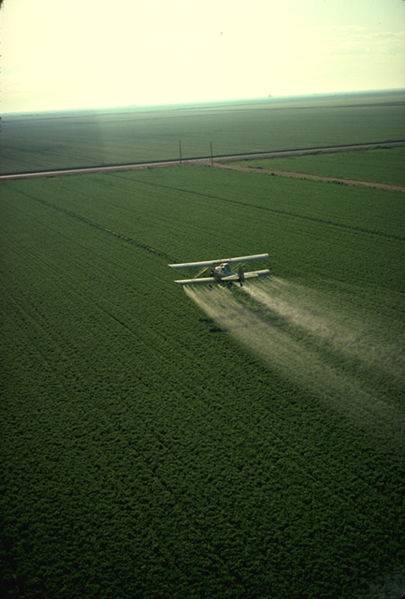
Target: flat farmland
85, 138
379, 165
218, 443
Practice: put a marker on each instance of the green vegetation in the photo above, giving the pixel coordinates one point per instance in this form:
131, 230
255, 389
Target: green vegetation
381, 166
145, 451
57, 140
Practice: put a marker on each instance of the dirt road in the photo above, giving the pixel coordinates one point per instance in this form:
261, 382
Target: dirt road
201, 160
295, 175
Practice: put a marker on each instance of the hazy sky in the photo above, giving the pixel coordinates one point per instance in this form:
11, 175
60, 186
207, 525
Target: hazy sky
83, 53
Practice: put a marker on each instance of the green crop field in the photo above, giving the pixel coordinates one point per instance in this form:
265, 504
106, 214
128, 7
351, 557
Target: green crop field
57, 140
213, 443
381, 166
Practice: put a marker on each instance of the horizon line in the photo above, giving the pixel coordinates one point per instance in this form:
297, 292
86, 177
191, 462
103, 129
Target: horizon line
204, 102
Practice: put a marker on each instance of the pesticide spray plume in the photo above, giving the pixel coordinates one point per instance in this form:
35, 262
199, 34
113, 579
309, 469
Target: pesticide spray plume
266, 319
314, 312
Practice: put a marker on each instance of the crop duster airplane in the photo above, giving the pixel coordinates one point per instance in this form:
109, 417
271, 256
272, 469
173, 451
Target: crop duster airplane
222, 271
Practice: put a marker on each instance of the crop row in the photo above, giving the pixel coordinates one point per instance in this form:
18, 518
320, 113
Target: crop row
144, 453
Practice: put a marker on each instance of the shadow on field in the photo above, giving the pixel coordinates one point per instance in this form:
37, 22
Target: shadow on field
211, 325
313, 339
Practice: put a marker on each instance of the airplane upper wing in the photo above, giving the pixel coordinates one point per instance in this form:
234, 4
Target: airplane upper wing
220, 260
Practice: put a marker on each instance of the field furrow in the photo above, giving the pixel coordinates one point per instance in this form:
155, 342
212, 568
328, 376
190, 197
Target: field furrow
210, 442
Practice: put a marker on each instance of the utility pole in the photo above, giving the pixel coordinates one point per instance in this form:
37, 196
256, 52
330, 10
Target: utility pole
180, 153
211, 155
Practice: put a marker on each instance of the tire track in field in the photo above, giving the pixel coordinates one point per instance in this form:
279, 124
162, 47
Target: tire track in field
83, 219
278, 211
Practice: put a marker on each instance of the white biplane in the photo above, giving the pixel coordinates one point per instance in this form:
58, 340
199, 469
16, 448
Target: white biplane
221, 271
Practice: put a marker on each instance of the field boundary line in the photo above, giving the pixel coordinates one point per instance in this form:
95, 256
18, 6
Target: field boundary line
310, 177
285, 213
99, 227
103, 168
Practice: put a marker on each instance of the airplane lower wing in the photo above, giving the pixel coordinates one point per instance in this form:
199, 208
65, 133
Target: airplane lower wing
220, 260
254, 274
201, 280
235, 277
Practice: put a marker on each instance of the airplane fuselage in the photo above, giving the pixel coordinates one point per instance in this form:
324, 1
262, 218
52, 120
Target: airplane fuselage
221, 270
